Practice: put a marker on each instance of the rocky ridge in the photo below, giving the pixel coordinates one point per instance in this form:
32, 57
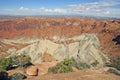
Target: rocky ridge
84, 48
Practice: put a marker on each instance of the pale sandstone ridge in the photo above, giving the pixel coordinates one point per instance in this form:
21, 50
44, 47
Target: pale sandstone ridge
84, 48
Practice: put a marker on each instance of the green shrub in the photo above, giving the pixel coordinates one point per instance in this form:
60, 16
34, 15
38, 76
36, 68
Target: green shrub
62, 67
53, 70
5, 63
21, 60
82, 65
114, 62
68, 62
14, 61
94, 64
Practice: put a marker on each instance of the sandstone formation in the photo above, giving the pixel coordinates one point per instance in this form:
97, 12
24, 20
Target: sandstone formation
32, 71
84, 48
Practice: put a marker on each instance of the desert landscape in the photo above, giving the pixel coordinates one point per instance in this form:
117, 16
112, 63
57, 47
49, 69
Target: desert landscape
59, 39
50, 40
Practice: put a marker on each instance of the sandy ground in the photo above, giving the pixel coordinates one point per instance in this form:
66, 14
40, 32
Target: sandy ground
81, 75
99, 73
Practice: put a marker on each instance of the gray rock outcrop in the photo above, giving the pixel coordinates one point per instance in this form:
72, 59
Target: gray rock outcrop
84, 48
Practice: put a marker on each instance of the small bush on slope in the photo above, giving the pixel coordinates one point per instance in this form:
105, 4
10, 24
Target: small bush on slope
19, 61
95, 63
82, 66
62, 67
5, 63
66, 66
22, 60
114, 62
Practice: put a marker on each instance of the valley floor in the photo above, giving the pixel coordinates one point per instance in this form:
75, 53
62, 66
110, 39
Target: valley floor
80, 75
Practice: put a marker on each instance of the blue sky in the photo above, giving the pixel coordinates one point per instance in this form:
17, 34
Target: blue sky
103, 8
39, 3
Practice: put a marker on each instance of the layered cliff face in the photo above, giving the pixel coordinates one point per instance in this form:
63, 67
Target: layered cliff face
84, 48
28, 34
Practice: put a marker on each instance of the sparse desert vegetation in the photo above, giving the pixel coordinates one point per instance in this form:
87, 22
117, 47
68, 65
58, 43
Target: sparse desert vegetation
5, 63
62, 67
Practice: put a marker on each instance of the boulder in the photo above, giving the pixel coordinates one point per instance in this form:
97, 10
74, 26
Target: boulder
32, 71
4, 76
17, 76
114, 71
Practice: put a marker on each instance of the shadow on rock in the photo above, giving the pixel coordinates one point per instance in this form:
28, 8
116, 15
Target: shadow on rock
117, 39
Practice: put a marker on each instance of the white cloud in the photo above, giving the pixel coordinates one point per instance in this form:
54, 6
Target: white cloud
23, 8
100, 8
107, 12
42, 10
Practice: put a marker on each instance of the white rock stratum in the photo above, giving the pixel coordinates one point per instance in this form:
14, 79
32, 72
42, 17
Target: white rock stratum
85, 48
